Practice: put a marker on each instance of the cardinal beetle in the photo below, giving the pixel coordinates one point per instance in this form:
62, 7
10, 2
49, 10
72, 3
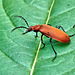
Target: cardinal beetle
48, 31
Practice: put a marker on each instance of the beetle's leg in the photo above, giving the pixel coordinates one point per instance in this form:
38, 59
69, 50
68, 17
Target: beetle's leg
60, 27
64, 30
48, 24
53, 50
72, 35
36, 35
74, 26
42, 41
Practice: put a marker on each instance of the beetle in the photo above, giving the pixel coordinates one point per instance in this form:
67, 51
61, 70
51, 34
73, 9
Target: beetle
48, 31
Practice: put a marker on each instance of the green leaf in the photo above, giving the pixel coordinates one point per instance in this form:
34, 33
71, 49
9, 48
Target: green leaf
21, 54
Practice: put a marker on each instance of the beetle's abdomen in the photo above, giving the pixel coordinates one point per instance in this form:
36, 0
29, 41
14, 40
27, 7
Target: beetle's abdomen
54, 33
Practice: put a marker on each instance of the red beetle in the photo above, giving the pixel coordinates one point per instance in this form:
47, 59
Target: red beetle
49, 31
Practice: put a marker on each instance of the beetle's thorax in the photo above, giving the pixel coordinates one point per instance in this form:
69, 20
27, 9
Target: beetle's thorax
36, 27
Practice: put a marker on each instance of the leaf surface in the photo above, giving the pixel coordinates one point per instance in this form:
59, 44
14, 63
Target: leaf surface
21, 54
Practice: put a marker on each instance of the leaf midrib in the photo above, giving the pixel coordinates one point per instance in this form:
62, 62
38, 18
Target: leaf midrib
48, 17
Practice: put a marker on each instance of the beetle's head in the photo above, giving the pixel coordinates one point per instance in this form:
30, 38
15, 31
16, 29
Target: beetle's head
33, 28
30, 28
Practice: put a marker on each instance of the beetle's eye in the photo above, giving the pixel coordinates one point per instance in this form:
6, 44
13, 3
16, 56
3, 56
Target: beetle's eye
31, 28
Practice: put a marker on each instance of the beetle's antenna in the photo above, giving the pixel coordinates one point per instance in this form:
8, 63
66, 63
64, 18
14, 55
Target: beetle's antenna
23, 19
19, 27
25, 32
